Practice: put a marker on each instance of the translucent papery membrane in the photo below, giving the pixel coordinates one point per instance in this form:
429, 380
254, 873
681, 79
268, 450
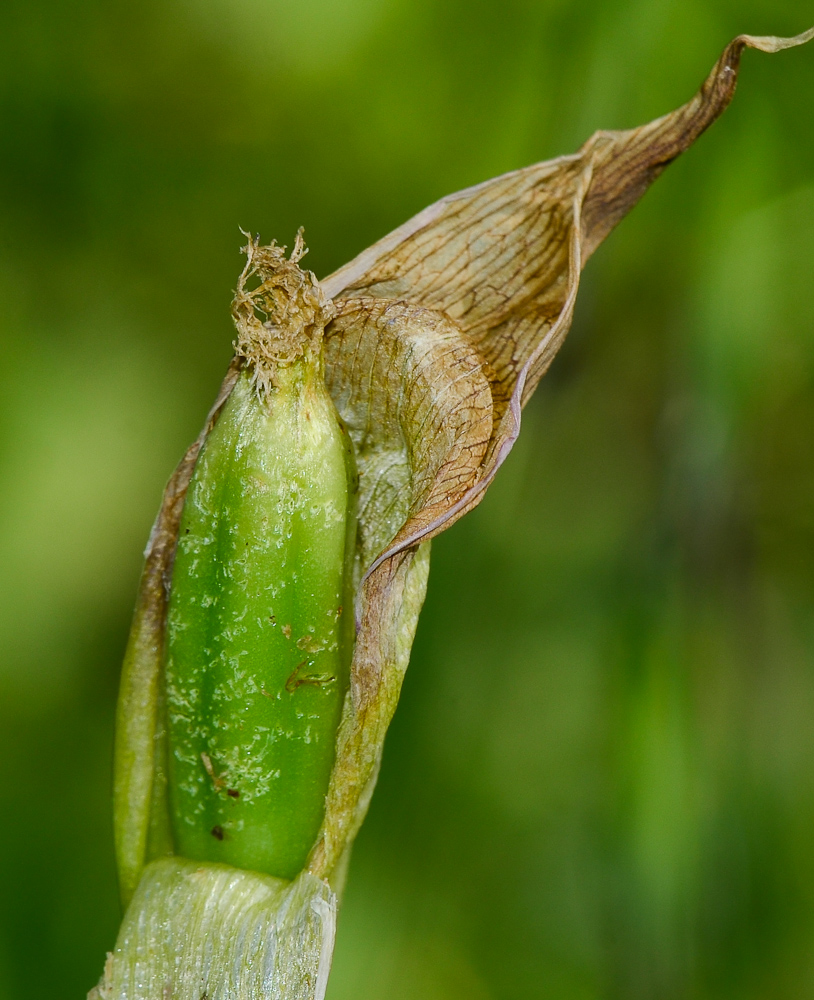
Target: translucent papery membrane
212, 931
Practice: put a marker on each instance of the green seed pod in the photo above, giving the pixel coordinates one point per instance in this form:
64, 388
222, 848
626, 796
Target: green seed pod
260, 620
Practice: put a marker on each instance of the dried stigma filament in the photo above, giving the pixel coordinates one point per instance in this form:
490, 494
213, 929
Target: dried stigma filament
260, 620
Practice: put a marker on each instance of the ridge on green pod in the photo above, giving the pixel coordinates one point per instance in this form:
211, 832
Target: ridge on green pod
260, 622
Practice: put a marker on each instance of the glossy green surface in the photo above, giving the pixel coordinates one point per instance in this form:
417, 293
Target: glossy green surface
257, 633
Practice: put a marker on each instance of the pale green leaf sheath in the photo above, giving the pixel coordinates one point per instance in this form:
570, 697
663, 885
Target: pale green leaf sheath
259, 626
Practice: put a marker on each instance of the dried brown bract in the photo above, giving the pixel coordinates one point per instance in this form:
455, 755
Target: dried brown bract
434, 339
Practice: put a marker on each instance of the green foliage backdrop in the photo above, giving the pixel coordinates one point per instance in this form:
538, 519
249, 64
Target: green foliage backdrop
600, 781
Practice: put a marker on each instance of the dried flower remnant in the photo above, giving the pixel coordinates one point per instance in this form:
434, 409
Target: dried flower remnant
441, 332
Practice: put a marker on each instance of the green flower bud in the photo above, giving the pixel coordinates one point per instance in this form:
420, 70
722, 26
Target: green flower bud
260, 621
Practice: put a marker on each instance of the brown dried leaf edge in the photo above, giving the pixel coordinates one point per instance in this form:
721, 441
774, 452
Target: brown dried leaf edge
443, 330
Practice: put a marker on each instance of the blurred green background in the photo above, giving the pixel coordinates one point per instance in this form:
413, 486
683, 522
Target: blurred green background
600, 781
